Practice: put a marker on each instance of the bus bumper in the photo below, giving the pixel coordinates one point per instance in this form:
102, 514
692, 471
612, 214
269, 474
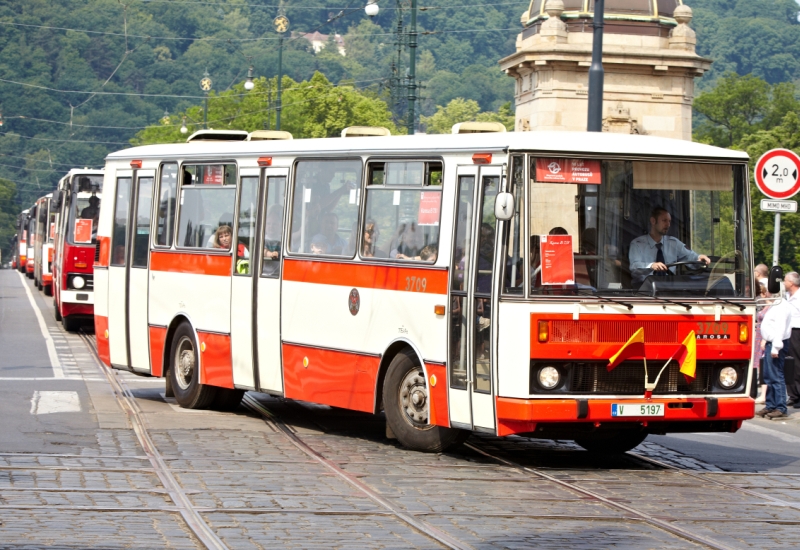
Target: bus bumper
697, 414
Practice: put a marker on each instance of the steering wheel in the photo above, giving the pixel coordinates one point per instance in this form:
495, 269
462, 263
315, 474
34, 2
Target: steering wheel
691, 262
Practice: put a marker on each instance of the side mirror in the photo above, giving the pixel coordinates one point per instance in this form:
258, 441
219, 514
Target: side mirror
55, 202
775, 278
504, 206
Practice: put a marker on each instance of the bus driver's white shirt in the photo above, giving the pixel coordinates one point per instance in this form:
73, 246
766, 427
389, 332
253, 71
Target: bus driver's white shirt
642, 255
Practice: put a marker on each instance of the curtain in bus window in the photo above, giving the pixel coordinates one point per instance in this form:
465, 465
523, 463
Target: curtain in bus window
273, 226
168, 192
141, 235
119, 232
207, 201
246, 232
325, 205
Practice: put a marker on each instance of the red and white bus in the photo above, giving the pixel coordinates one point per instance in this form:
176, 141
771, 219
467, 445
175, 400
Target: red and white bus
21, 251
77, 208
43, 245
474, 282
30, 236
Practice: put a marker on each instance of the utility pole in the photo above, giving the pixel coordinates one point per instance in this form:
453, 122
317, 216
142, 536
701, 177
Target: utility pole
595, 118
412, 69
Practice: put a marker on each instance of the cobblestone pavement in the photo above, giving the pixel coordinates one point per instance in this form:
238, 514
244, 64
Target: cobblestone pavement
256, 488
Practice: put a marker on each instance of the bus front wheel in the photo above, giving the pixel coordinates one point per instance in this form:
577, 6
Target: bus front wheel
184, 371
406, 404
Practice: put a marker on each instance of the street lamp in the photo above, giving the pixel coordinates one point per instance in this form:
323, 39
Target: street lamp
281, 26
184, 129
205, 85
249, 84
372, 8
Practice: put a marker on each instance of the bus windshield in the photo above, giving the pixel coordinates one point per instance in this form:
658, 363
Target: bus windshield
84, 209
636, 228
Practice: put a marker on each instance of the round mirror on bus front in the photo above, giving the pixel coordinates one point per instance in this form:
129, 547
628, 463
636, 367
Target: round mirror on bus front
775, 278
504, 206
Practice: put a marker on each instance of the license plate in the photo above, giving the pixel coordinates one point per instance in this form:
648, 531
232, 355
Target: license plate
637, 409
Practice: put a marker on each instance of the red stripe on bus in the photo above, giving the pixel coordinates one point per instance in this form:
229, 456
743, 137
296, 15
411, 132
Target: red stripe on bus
381, 277
216, 365
335, 378
437, 382
158, 335
198, 264
100, 328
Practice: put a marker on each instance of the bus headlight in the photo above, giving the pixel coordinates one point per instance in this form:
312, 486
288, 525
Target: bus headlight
728, 377
549, 377
78, 282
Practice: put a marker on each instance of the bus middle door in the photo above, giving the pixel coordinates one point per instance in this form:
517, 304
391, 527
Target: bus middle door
472, 319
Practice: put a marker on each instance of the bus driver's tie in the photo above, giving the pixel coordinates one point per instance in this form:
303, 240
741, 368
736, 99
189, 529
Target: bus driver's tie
660, 258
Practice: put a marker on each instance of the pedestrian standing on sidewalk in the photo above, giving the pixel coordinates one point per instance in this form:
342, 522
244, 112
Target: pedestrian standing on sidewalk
776, 329
792, 283
758, 348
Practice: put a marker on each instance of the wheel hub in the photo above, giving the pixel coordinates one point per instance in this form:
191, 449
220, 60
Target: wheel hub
185, 362
414, 397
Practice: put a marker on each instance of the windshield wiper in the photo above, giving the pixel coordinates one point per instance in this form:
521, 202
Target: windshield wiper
653, 295
609, 300
740, 306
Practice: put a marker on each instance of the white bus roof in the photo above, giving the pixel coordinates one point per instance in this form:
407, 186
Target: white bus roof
591, 143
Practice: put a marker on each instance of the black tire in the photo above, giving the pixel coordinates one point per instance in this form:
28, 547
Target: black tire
227, 399
38, 285
613, 443
184, 372
29, 275
58, 313
48, 290
404, 378
70, 323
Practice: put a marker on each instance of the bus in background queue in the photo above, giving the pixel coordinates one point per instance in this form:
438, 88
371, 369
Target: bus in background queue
21, 250
483, 282
30, 242
43, 245
77, 207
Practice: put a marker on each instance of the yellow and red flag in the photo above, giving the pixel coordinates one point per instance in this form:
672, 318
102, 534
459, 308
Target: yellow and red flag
634, 347
687, 356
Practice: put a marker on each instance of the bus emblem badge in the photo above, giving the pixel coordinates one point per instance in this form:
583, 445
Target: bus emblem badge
354, 302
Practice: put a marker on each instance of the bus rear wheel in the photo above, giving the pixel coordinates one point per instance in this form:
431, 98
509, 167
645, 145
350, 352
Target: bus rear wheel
58, 312
184, 372
48, 290
70, 323
613, 443
406, 404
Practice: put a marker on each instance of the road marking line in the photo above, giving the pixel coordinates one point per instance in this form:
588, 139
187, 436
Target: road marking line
58, 372
49, 402
788, 438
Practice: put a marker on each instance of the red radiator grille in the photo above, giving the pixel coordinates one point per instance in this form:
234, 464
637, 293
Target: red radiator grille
612, 331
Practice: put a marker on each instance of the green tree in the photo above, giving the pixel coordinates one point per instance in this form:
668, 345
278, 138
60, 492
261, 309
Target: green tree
463, 110
8, 216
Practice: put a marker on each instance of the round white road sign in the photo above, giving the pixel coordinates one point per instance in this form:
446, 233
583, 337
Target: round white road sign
777, 174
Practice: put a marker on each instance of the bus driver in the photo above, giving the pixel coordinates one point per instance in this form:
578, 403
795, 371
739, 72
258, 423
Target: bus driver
650, 254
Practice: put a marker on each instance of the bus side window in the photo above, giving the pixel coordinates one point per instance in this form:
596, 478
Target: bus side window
273, 226
207, 200
168, 191
325, 207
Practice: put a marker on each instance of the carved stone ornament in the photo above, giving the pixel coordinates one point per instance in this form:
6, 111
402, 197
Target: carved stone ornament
619, 121
682, 37
554, 29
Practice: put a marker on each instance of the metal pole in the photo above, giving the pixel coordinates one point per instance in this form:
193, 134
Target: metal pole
412, 68
280, 78
205, 111
776, 243
595, 119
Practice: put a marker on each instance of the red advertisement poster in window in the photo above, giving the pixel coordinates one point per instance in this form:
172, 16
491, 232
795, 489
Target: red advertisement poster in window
52, 231
83, 231
429, 204
214, 175
568, 171
558, 267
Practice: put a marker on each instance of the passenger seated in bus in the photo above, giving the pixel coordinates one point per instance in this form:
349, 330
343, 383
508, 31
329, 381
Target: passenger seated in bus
91, 212
429, 253
319, 245
334, 244
222, 239
650, 254
407, 241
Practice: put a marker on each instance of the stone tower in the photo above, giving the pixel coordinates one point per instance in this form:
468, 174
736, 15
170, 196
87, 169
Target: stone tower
648, 56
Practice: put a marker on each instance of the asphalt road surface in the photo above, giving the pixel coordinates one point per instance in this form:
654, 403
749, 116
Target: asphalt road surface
92, 458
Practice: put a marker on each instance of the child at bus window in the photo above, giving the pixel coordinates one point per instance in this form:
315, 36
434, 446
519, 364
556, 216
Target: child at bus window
429, 253
319, 245
370, 242
223, 238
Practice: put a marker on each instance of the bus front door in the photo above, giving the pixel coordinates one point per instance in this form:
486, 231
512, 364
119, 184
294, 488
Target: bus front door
471, 350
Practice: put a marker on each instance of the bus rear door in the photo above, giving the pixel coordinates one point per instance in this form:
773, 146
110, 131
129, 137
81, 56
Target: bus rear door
472, 319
